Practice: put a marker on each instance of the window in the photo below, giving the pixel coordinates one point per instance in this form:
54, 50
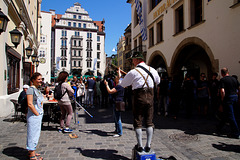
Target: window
79, 54
79, 17
135, 43
98, 46
74, 53
77, 33
136, 20
89, 64
89, 35
64, 33
79, 25
79, 43
64, 63
74, 16
74, 43
159, 32
98, 38
89, 45
151, 37
98, 55
154, 3
79, 63
13, 73
74, 63
64, 52
84, 25
196, 11
69, 24
89, 54
74, 24
179, 19
98, 64
42, 53
43, 39
64, 43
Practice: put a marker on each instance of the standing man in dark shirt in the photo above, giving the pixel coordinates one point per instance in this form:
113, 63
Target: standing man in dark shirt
229, 97
91, 87
214, 93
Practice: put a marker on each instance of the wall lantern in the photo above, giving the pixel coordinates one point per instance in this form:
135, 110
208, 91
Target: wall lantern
37, 62
28, 51
3, 22
34, 58
15, 37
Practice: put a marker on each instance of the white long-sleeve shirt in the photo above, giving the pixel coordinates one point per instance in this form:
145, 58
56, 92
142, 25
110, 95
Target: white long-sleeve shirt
135, 79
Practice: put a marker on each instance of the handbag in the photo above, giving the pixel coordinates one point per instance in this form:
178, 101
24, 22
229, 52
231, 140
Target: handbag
120, 106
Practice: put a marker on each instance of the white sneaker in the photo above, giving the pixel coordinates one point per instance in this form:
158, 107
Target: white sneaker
116, 135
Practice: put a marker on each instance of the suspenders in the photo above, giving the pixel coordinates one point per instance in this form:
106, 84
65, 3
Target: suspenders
145, 79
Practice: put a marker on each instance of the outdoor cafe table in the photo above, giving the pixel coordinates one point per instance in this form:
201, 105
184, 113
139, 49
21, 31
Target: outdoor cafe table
48, 106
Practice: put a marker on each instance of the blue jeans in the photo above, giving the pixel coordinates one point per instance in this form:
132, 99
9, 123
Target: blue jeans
117, 120
34, 124
90, 97
228, 105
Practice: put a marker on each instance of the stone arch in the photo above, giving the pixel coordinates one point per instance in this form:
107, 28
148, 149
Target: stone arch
194, 41
157, 60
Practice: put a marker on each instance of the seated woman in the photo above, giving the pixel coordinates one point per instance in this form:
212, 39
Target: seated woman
47, 93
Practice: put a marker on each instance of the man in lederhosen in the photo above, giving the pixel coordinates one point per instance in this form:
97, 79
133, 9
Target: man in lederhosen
142, 79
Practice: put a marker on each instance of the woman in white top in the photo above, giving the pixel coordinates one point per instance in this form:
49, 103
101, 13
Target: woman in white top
65, 102
81, 91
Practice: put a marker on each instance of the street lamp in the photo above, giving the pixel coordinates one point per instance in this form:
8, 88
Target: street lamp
37, 64
34, 57
15, 37
3, 22
28, 51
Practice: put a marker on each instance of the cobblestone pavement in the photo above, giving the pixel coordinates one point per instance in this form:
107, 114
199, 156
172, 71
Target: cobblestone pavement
182, 138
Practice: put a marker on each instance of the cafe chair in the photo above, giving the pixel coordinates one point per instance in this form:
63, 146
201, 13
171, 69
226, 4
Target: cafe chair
17, 108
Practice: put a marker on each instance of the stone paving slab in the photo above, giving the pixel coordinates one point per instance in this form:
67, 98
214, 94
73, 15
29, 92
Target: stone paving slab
182, 138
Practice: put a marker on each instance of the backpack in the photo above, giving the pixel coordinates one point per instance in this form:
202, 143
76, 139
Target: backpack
58, 92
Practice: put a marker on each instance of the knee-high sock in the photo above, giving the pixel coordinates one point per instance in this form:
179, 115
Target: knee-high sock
149, 131
139, 136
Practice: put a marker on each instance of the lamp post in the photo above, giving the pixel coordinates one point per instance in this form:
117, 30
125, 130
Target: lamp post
3, 22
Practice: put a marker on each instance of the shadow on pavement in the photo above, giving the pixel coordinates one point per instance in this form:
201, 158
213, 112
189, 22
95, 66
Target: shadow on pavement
97, 132
108, 154
227, 147
16, 152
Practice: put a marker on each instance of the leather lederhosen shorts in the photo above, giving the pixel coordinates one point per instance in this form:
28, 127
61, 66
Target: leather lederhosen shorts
143, 107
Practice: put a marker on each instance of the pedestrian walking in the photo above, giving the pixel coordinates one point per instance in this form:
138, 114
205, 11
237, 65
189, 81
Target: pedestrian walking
65, 102
229, 95
118, 95
142, 79
34, 115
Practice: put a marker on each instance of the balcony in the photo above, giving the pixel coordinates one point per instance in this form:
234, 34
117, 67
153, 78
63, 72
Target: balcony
141, 48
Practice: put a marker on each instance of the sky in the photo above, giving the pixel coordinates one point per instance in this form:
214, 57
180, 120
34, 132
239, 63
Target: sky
117, 15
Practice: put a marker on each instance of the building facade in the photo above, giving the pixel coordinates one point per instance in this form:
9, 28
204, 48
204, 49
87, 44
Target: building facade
16, 68
78, 42
44, 51
189, 36
120, 52
127, 63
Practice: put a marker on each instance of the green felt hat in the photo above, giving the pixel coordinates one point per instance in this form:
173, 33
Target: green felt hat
137, 54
